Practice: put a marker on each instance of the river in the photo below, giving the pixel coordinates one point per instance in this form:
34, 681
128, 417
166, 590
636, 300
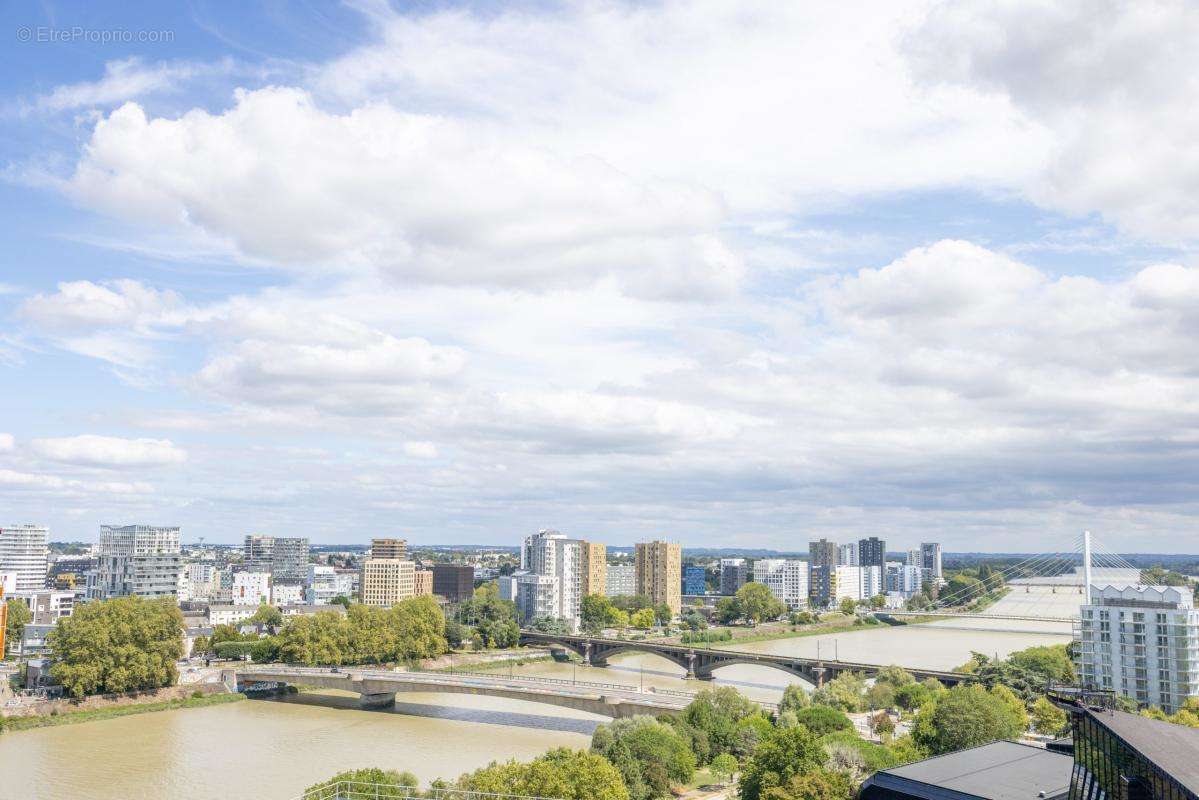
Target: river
273, 749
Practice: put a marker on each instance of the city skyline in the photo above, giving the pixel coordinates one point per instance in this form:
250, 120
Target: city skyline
667, 286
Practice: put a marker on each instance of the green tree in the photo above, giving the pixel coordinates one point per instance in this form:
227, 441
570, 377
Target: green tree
365, 784
662, 614
200, 645
821, 720
341, 600
844, 692
649, 754
710, 721
494, 620
224, 633
912, 696
819, 784
454, 633
757, 603
267, 615
1052, 662
965, 716
848, 606
787, 752
643, 619
896, 676
795, 697
597, 612
561, 773
1047, 718
19, 616
723, 767
120, 645
880, 695
1014, 705
728, 610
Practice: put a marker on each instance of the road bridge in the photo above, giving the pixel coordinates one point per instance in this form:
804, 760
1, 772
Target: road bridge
378, 688
701, 662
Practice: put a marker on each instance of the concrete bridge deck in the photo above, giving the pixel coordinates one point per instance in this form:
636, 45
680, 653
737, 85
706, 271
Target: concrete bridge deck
701, 662
378, 688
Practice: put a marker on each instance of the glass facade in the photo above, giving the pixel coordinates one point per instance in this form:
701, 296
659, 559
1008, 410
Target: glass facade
1107, 768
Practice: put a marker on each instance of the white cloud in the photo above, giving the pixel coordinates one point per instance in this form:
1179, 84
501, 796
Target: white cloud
6, 442
127, 79
413, 196
1103, 81
421, 449
109, 451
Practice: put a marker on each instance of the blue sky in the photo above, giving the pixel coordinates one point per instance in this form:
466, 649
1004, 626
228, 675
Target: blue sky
459, 272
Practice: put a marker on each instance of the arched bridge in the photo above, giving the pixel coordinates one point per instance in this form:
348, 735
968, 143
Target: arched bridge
701, 662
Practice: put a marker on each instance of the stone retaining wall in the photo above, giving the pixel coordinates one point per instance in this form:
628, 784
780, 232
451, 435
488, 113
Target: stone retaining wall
68, 705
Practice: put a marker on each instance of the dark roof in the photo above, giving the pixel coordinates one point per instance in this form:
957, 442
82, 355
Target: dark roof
1173, 748
998, 771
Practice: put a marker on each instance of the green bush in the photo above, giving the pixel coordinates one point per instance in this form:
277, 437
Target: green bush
822, 720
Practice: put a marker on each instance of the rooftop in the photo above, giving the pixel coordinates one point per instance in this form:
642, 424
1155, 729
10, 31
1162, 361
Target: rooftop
1173, 748
997, 771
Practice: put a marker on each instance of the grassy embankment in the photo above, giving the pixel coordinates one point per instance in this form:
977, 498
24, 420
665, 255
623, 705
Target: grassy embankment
91, 714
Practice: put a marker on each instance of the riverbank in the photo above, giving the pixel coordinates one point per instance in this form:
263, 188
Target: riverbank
772, 633
92, 714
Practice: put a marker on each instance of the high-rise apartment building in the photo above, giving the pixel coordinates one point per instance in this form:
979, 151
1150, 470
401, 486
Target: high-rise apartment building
387, 581
594, 568
284, 557
786, 578
389, 548
930, 560
1140, 642
537, 596
823, 558
23, 550
733, 575
845, 583
659, 571
872, 552
914, 558
848, 554
621, 580
454, 582
142, 560
694, 580
550, 553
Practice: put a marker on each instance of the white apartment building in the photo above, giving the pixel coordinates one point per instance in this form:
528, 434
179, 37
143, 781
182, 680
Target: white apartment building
506, 586
786, 578
1141, 642
251, 588
846, 583
287, 594
229, 614
903, 579
8, 582
142, 560
536, 596
550, 553
48, 606
23, 550
326, 583
872, 582
202, 579
847, 554
621, 580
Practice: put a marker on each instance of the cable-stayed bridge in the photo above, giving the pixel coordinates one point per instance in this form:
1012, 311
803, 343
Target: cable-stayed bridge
1046, 587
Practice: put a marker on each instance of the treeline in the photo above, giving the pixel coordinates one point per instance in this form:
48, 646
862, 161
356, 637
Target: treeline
411, 630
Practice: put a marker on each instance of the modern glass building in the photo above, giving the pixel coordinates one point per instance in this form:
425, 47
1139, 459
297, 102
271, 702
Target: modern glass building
1120, 756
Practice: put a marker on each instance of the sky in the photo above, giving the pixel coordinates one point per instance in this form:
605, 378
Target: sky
726, 273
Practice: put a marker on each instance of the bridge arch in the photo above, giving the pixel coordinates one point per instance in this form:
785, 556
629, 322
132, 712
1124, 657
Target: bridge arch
704, 671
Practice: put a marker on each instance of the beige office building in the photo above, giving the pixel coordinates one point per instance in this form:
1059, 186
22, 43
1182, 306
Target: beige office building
387, 581
389, 548
659, 570
422, 582
594, 568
